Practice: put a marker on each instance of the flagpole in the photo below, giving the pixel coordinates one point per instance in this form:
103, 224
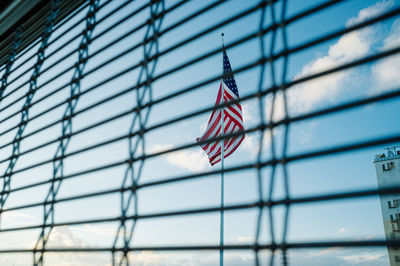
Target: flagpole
221, 251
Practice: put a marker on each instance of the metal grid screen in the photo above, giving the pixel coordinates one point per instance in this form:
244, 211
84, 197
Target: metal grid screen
101, 103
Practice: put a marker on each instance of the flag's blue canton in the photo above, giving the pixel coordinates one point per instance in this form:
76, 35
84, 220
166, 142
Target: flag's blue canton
228, 76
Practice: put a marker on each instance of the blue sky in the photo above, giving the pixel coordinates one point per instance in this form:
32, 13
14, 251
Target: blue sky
337, 220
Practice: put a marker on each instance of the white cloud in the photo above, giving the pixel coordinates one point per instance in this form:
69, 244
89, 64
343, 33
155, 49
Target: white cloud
323, 252
152, 258
22, 259
252, 141
353, 45
245, 239
274, 107
96, 230
339, 256
251, 117
371, 11
148, 258
385, 71
250, 111
77, 259
363, 258
63, 237
327, 251
305, 132
192, 160
18, 218
342, 230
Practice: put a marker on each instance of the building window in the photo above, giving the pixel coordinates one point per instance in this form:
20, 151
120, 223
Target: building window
393, 204
396, 258
395, 218
388, 166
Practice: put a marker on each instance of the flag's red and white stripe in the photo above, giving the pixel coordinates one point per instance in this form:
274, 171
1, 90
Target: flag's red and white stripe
233, 122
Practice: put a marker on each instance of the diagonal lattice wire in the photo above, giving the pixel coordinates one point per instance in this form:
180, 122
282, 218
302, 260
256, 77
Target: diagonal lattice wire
259, 98
270, 133
29, 96
285, 143
128, 199
11, 59
66, 131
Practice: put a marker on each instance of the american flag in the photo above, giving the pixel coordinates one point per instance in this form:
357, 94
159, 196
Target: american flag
233, 118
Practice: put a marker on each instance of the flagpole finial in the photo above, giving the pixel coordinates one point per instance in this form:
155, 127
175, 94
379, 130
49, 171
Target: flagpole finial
222, 36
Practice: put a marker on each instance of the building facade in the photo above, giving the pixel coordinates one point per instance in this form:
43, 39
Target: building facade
387, 166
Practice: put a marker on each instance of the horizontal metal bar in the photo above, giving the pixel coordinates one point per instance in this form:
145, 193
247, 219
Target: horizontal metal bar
233, 207
270, 203
254, 247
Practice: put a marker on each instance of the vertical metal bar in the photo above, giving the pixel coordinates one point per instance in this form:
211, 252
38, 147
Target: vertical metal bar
66, 131
221, 252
